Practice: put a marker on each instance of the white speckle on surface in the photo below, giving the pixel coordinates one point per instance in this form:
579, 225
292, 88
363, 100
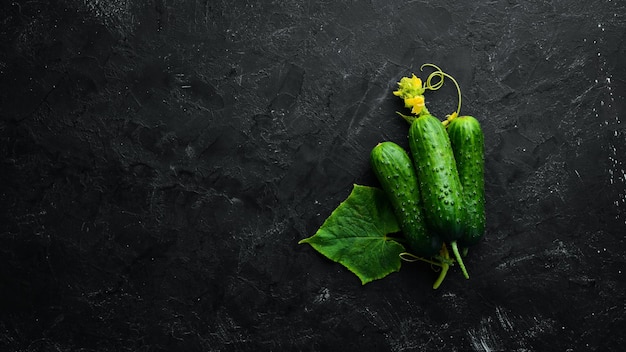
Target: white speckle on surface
322, 296
190, 152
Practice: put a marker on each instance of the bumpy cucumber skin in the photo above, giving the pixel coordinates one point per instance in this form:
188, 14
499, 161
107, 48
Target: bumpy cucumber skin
467, 140
438, 177
395, 172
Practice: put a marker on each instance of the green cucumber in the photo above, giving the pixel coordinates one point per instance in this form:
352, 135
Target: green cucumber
439, 181
467, 140
395, 172
438, 177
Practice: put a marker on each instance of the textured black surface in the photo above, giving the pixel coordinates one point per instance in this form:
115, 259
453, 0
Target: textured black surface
161, 159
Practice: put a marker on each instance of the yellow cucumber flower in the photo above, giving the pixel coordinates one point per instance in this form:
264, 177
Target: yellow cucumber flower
415, 103
409, 87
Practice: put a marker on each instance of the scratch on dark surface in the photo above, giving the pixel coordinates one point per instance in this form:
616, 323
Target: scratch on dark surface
560, 251
483, 338
498, 333
367, 97
504, 319
228, 332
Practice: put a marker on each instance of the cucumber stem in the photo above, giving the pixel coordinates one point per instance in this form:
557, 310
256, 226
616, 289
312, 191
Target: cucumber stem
442, 275
455, 250
444, 267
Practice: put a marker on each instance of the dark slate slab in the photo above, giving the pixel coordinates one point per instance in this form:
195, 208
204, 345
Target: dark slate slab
161, 160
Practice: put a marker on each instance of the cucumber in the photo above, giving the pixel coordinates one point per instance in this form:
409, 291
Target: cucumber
395, 172
438, 177
467, 140
439, 181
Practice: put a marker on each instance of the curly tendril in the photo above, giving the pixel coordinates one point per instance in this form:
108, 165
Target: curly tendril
438, 73
409, 257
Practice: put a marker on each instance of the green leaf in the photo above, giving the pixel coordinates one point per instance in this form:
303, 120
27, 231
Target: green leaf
355, 235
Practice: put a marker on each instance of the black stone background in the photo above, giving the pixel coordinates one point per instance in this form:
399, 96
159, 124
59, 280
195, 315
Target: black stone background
161, 160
